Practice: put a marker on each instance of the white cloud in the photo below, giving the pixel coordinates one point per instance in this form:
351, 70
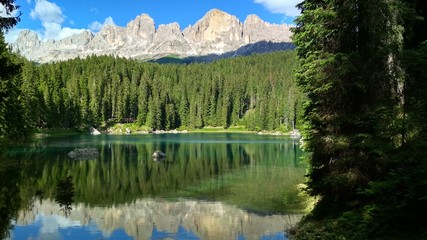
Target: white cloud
47, 12
51, 18
66, 32
286, 7
96, 26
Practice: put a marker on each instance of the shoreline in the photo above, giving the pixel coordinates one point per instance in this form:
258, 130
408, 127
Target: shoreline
121, 129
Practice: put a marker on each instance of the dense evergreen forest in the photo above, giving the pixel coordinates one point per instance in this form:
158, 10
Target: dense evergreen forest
363, 68
257, 91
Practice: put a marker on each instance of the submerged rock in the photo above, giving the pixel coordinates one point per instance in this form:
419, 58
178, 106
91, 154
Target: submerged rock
158, 155
84, 153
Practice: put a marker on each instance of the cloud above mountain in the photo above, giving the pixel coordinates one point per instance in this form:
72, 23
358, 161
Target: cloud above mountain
96, 26
51, 17
286, 7
47, 12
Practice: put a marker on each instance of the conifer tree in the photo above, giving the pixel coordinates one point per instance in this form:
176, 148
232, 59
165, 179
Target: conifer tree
349, 72
10, 17
13, 124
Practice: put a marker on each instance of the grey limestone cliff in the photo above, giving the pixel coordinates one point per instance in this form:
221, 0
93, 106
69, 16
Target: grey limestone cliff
216, 33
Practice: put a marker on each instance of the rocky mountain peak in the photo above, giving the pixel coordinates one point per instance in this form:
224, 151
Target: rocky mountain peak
217, 30
216, 13
168, 32
217, 33
80, 39
28, 34
256, 30
26, 41
253, 19
143, 26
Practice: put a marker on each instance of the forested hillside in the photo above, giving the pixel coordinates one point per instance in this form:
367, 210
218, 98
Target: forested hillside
258, 91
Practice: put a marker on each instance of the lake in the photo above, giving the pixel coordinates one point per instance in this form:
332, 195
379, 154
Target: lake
209, 186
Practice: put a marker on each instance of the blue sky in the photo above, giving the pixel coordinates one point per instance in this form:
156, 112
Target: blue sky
56, 19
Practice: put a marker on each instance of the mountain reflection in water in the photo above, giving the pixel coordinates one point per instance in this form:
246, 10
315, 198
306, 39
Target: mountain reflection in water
124, 194
151, 219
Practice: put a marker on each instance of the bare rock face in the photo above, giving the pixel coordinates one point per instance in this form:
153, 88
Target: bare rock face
77, 40
256, 30
168, 32
27, 42
216, 33
142, 27
110, 36
169, 40
29, 45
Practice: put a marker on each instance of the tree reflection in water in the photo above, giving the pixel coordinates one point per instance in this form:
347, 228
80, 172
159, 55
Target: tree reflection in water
64, 194
257, 173
9, 195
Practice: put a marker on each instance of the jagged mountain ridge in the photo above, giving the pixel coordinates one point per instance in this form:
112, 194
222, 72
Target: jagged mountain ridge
217, 33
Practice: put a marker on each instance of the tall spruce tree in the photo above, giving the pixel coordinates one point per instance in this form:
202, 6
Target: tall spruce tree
401, 197
366, 117
349, 73
12, 124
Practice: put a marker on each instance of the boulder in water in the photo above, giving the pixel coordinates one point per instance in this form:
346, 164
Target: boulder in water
158, 155
94, 131
84, 153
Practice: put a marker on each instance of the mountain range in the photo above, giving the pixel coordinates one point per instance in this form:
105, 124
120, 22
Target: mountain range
218, 34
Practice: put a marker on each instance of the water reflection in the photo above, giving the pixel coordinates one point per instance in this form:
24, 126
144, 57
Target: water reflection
256, 173
10, 201
155, 219
64, 195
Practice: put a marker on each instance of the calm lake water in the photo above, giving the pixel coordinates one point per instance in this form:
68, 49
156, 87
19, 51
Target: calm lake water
209, 186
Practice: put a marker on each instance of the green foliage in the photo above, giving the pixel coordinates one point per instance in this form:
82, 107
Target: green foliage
403, 191
13, 120
363, 69
98, 90
349, 80
349, 226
